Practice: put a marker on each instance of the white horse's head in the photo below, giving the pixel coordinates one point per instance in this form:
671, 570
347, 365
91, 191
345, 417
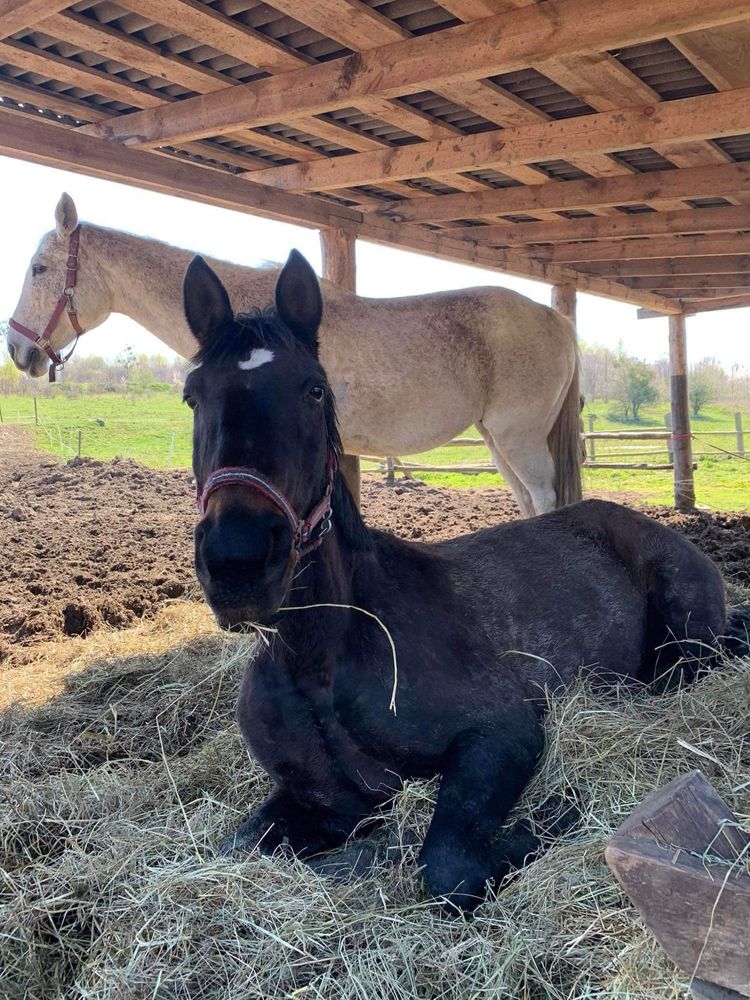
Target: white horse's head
43, 285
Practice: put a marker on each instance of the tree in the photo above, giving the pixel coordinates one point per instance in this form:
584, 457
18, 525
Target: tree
633, 385
597, 366
706, 381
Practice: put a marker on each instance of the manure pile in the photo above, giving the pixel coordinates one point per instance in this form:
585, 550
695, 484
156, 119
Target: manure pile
118, 790
91, 544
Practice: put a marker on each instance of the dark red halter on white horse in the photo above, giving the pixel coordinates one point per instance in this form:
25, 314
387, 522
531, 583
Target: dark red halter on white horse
65, 302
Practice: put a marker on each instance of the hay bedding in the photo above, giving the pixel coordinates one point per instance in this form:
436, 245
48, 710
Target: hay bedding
117, 791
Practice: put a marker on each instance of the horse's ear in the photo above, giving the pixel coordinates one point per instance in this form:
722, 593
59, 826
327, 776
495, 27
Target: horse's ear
206, 303
66, 216
298, 300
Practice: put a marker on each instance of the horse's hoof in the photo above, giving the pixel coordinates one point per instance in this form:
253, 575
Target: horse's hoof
235, 845
361, 857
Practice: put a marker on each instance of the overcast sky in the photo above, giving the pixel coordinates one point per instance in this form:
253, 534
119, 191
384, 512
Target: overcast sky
31, 193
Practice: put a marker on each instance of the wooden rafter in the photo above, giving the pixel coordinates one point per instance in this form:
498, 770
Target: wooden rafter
705, 220
690, 118
692, 308
604, 83
40, 142
637, 256
724, 265
669, 247
681, 281
466, 52
210, 26
18, 14
557, 196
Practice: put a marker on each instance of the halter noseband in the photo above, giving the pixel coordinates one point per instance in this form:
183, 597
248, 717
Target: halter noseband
302, 528
64, 302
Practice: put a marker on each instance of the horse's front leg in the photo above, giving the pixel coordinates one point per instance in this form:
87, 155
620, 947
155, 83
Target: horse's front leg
282, 819
485, 773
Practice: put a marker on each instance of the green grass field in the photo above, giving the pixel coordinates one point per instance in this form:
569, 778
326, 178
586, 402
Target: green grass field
155, 429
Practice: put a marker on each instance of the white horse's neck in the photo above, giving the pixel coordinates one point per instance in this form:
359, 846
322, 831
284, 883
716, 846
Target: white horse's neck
143, 279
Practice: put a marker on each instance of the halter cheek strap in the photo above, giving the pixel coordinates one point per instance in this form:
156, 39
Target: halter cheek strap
302, 528
64, 302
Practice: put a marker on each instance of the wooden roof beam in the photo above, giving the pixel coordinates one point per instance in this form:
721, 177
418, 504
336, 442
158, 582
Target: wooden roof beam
558, 196
18, 14
681, 247
711, 305
696, 220
727, 265
499, 44
688, 294
712, 115
35, 140
605, 84
681, 281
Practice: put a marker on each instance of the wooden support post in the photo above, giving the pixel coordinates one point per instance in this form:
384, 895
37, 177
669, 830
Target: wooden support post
339, 266
564, 300
740, 434
684, 485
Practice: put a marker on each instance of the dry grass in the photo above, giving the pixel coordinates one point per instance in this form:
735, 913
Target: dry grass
118, 789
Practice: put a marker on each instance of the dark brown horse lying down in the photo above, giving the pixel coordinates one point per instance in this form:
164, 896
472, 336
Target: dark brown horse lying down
482, 625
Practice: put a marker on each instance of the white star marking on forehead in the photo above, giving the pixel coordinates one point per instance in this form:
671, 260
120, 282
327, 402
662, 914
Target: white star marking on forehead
260, 356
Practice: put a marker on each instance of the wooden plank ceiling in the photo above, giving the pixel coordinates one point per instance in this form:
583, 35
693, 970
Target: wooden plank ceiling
565, 140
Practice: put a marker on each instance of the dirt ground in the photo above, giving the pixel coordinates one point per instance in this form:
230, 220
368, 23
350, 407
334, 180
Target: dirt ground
87, 543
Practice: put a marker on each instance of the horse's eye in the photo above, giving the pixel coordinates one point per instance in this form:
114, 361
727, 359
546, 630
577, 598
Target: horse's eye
191, 401
38, 269
317, 392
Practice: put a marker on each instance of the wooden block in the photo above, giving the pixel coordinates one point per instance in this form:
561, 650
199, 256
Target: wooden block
703, 990
682, 860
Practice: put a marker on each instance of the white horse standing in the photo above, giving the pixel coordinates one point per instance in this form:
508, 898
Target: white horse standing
408, 373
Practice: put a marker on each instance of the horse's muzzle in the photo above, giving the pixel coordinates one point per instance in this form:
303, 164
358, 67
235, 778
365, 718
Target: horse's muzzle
28, 359
244, 564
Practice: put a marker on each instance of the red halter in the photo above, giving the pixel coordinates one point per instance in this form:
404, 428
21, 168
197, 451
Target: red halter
64, 302
302, 528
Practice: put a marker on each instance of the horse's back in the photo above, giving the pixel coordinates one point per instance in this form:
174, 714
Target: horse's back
590, 584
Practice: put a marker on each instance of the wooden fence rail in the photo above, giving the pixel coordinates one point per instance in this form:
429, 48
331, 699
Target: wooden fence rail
392, 464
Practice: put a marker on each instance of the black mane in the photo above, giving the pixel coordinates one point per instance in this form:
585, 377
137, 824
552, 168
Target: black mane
234, 341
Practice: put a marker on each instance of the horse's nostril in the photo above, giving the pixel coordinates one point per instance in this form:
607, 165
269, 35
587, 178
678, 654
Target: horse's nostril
11, 352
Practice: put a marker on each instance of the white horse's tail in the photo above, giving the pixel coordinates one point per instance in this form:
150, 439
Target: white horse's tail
564, 443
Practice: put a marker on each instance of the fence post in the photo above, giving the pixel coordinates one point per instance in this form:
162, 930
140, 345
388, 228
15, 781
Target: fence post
1, 415
590, 443
80, 435
171, 451
737, 427
390, 475
668, 425
36, 412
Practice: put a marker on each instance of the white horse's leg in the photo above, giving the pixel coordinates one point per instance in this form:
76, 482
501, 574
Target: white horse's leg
528, 455
523, 498
532, 462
